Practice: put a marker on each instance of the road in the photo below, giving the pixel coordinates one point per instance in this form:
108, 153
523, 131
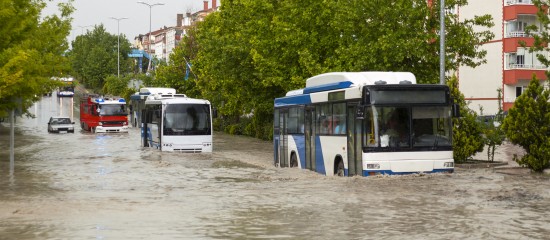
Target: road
105, 186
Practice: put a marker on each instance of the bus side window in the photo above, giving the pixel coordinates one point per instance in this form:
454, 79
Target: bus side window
339, 118
324, 116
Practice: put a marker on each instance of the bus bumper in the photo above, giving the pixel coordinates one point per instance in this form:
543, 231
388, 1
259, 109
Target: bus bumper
102, 129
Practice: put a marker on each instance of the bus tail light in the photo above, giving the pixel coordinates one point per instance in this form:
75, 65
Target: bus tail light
373, 166
449, 164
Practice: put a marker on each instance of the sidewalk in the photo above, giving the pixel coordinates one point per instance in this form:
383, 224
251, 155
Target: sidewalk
503, 154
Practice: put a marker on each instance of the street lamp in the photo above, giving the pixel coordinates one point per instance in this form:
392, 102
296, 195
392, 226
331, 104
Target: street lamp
442, 42
118, 43
82, 28
150, 7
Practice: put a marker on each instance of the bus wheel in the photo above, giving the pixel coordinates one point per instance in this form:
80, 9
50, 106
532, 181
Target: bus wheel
293, 160
339, 171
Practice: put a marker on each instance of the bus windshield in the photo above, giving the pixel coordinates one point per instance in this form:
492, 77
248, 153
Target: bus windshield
112, 110
187, 119
406, 127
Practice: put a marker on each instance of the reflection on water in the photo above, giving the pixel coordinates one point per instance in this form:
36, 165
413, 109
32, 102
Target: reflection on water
105, 186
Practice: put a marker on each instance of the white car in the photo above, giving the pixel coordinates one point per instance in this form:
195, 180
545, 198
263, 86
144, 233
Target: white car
60, 125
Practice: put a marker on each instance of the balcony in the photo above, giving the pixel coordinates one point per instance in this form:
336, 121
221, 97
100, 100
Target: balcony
512, 40
517, 72
519, 7
519, 2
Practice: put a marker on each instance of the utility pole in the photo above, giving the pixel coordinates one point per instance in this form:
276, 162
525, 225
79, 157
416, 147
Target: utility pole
118, 43
150, 7
82, 28
442, 42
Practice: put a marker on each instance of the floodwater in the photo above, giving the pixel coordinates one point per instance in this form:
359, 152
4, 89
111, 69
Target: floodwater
105, 186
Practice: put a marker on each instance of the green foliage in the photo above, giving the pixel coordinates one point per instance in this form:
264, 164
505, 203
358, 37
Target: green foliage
493, 134
94, 56
467, 139
118, 86
252, 51
173, 74
32, 50
528, 125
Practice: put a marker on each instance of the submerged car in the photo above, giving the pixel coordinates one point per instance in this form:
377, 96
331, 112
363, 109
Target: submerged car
60, 125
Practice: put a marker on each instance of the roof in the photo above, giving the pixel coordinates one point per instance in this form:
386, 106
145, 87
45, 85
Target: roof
156, 90
360, 78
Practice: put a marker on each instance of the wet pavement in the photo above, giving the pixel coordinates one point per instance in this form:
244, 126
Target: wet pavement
105, 186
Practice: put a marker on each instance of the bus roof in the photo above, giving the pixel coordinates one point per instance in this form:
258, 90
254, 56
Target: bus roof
360, 78
63, 79
175, 100
156, 90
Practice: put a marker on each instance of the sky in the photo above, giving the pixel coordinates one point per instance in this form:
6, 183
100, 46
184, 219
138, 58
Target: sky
94, 12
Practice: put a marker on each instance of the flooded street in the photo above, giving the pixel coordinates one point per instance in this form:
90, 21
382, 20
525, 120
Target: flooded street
105, 186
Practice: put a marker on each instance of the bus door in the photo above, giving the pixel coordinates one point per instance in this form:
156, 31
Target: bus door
283, 138
354, 119
309, 135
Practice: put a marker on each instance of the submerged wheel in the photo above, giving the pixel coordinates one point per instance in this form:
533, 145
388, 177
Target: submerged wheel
339, 170
293, 161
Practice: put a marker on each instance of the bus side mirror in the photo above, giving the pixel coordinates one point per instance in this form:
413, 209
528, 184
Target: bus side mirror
456, 110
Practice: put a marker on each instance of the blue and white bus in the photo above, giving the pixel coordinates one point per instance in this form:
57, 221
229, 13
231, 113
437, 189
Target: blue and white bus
175, 122
365, 123
137, 102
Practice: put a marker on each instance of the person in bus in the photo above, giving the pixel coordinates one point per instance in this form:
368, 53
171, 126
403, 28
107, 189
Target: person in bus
339, 126
396, 129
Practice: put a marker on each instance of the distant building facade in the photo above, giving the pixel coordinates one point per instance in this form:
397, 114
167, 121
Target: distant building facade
165, 40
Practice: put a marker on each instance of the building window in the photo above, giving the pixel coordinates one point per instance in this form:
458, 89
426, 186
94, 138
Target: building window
520, 60
520, 90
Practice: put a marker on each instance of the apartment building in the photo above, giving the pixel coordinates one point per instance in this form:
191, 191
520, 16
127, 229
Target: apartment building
509, 66
165, 39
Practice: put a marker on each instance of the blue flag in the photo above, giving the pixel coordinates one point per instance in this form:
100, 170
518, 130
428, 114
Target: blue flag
187, 70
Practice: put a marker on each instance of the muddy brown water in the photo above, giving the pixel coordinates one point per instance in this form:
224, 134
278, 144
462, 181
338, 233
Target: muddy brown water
105, 186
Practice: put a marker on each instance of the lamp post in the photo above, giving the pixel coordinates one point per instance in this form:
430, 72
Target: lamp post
442, 42
82, 28
150, 7
118, 43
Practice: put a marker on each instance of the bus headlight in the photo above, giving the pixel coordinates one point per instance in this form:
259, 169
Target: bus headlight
373, 166
449, 164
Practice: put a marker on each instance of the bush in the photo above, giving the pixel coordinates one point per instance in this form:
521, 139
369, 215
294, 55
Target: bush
467, 132
528, 125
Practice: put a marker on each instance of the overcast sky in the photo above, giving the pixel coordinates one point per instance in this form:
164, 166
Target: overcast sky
95, 12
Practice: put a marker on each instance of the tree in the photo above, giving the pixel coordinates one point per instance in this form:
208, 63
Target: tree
493, 135
178, 72
32, 50
94, 57
467, 139
531, 107
268, 47
528, 125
